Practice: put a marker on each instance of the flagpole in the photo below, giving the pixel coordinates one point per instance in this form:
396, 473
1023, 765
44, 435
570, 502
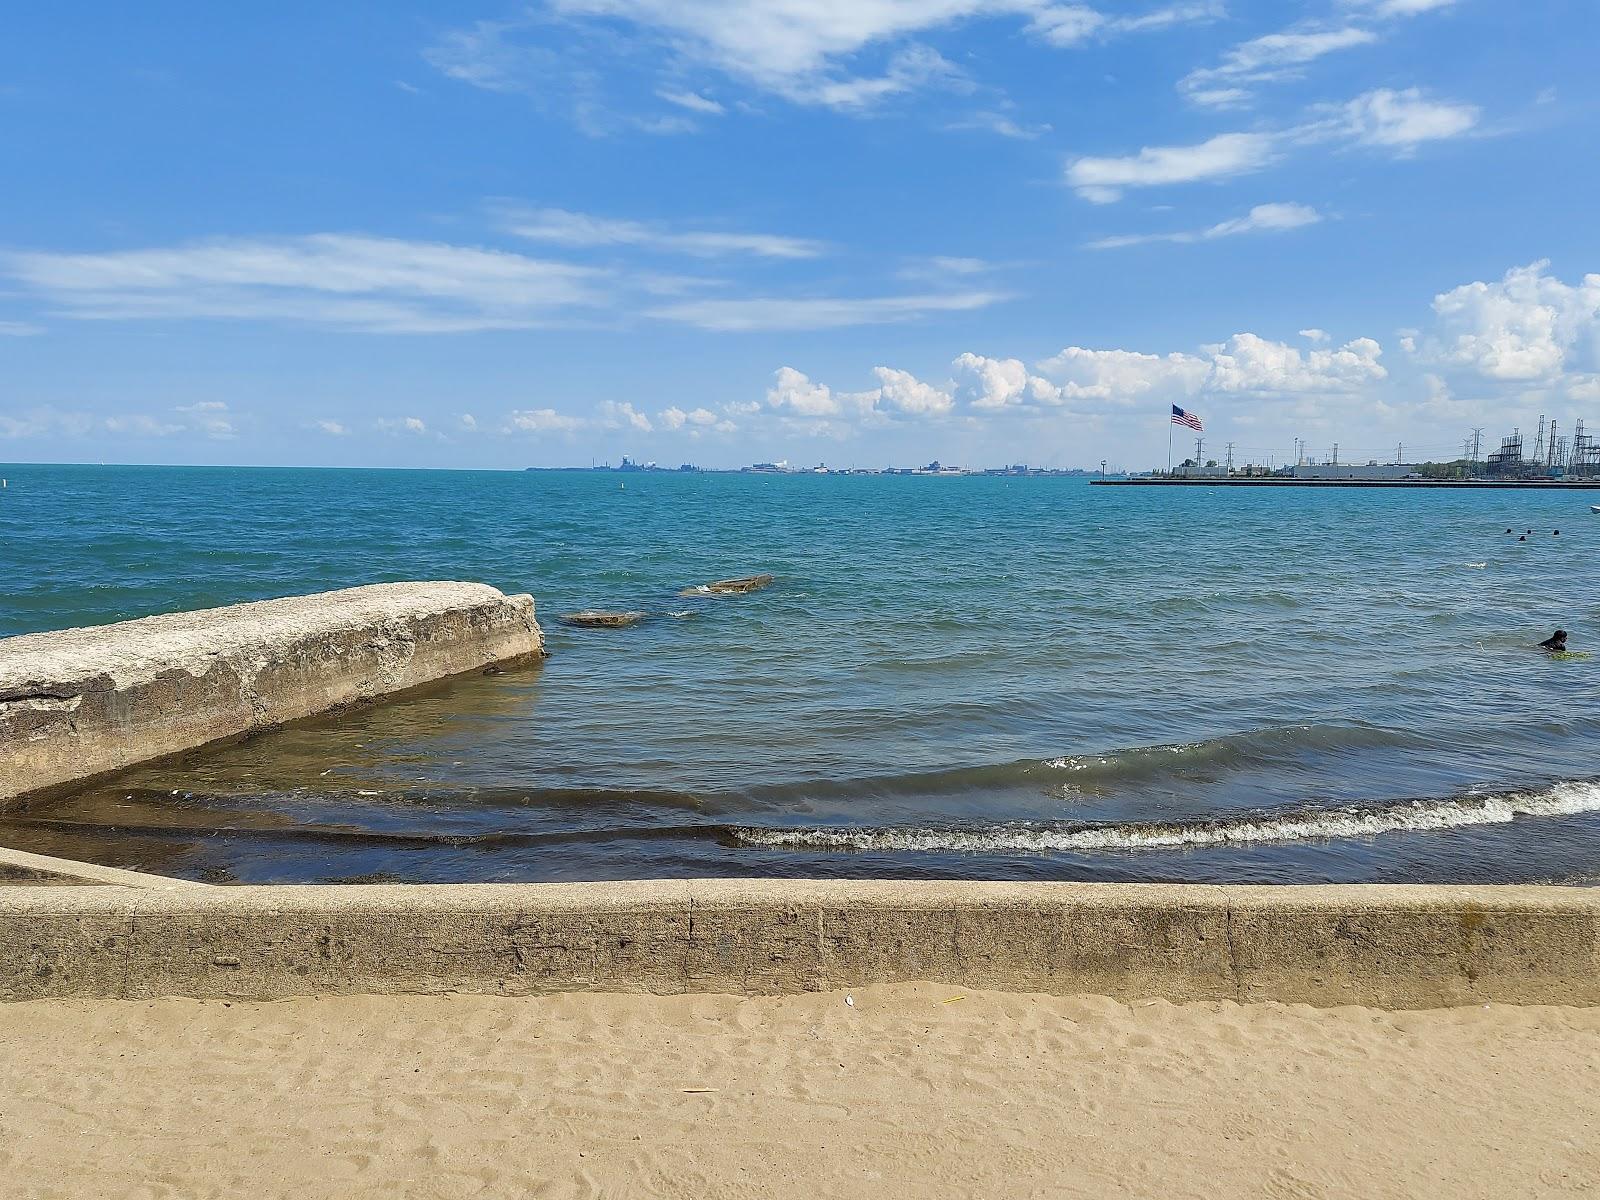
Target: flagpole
1169, 443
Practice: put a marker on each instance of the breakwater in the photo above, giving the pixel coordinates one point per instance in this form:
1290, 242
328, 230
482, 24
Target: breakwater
79, 703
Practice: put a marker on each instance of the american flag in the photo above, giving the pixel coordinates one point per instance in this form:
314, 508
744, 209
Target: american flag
1181, 417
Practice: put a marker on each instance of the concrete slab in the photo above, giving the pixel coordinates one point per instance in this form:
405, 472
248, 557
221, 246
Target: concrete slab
83, 702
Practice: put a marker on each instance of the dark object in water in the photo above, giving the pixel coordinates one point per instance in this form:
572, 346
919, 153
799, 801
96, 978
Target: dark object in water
1556, 643
740, 586
1523, 538
590, 619
730, 587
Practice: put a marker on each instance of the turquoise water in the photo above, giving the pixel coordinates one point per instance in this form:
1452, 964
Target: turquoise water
965, 678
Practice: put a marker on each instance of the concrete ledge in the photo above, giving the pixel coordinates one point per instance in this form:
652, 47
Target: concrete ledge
83, 702
19, 865
1393, 947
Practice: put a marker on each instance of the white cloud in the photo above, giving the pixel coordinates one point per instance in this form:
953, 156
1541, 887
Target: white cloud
1398, 8
208, 418
817, 408
903, 392
412, 425
565, 228
990, 383
1314, 335
911, 69
803, 52
468, 422
693, 101
1394, 120
19, 329
1274, 57
1248, 363
612, 414
675, 418
542, 420
331, 428
794, 392
1528, 325
353, 282
772, 313
1228, 154
1000, 123
1261, 218
1403, 119
1121, 377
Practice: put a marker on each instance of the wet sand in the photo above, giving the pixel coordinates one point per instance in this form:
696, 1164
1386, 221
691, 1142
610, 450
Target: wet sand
909, 1092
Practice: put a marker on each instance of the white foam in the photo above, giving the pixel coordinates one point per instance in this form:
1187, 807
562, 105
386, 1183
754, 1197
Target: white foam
1564, 799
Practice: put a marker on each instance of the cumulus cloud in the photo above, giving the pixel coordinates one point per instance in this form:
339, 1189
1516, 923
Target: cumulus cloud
331, 428
542, 420
1248, 363
612, 414
207, 418
899, 395
1262, 218
411, 425
1526, 326
675, 418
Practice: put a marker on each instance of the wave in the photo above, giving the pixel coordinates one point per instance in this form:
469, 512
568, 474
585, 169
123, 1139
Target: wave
1252, 748
1564, 799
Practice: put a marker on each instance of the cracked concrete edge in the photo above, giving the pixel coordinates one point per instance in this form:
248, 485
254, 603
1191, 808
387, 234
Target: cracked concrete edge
1385, 946
69, 868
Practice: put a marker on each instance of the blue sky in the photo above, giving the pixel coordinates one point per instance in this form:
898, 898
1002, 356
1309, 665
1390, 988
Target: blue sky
852, 231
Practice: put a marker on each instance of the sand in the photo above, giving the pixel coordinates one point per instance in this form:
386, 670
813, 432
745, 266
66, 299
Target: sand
908, 1092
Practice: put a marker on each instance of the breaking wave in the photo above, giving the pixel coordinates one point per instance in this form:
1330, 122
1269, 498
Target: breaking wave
1564, 799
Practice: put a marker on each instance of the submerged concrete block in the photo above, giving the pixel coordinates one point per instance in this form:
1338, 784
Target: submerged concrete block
82, 702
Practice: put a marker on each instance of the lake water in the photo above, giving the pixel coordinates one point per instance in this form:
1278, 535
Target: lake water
951, 678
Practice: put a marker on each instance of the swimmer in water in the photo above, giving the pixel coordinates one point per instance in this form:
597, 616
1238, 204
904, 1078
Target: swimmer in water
1556, 643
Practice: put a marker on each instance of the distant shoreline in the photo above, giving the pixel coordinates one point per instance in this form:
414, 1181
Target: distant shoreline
1459, 484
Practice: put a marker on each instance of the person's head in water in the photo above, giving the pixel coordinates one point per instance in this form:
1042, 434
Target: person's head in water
1556, 641
1523, 538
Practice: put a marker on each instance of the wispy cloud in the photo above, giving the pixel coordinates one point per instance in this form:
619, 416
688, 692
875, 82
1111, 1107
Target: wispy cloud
561, 227
1398, 121
1276, 56
747, 314
1263, 218
1102, 180
367, 284
808, 54
693, 101
1404, 119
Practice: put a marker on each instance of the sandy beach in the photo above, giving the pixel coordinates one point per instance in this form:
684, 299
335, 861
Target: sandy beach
912, 1090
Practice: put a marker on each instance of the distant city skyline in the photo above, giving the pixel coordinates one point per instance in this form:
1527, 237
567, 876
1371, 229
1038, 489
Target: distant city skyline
978, 231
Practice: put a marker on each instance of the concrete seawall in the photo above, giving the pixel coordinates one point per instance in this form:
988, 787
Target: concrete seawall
1393, 947
82, 702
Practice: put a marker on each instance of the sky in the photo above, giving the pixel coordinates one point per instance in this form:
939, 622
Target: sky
857, 232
